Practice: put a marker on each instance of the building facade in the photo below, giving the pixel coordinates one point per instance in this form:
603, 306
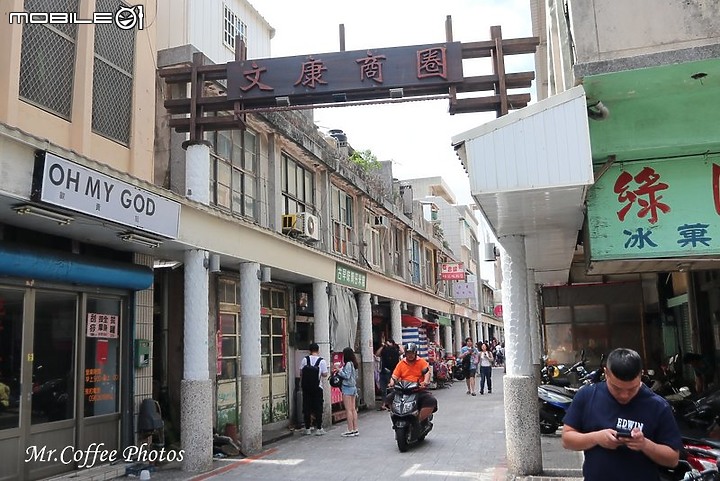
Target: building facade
139, 266
76, 158
600, 228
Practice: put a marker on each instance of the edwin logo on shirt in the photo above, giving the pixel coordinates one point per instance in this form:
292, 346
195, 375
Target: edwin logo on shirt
627, 424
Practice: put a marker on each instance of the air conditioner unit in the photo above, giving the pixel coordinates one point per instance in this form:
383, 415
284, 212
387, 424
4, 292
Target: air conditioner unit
381, 222
309, 226
303, 225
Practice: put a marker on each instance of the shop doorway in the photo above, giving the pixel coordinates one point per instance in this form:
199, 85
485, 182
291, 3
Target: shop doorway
59, 378
273, 352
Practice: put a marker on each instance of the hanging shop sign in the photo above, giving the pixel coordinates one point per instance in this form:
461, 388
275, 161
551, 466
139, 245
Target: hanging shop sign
452, 271
464, 290
653, 209
346, 75
347, 276
72, 186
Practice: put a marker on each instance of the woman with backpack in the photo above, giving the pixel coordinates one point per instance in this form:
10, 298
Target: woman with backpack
348, 373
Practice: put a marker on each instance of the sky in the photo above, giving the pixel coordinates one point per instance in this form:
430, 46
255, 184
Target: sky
416, 136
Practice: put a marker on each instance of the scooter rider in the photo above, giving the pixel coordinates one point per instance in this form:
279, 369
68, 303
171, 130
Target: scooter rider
414, 369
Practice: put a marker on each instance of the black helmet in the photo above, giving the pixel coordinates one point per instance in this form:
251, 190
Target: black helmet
411, 347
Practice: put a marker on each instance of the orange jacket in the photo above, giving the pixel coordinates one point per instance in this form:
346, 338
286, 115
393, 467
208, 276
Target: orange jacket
414, 372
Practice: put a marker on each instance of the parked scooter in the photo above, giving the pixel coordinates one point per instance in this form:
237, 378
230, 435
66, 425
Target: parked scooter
553, 406
555, 400
684, 472
558, 375
404, 414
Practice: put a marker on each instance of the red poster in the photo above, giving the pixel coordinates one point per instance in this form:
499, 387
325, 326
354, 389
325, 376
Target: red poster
101, 351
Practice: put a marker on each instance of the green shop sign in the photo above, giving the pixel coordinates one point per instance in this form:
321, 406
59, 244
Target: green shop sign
347, 276
659, 208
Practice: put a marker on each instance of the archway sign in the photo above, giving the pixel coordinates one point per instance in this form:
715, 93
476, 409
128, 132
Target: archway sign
381, 75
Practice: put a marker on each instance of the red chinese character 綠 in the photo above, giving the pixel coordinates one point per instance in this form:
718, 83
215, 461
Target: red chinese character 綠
645, 194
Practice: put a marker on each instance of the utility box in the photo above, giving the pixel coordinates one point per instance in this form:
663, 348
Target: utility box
142, 353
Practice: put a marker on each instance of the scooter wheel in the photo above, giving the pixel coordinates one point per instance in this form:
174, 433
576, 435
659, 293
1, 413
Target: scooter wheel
401, 435
548, 428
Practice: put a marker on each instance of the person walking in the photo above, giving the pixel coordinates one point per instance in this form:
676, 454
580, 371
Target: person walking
348, 373
389, 354
486, 362
469, 361
624, 428
313, 369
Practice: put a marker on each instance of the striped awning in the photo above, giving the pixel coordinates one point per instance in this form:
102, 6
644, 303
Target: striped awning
412, 321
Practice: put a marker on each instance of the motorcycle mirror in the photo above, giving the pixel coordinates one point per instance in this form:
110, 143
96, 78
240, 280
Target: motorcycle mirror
582, 354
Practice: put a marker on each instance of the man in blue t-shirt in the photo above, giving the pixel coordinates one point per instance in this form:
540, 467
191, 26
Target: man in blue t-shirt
624, 428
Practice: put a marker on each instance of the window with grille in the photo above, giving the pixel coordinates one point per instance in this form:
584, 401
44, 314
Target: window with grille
298, 187
232, 27
47, 60
273, 331
113, 69
233, 171
229, 329
415, 262
342, 222
372, 240
429, 268
397, 247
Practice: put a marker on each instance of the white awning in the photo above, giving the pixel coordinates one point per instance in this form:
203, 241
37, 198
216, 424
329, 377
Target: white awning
529, 173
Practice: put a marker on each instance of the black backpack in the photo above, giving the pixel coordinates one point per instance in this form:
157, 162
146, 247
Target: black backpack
310, 375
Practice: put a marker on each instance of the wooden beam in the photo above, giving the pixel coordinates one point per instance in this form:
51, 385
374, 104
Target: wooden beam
222, 122
487, 82
512, 46
499, 69
488, 104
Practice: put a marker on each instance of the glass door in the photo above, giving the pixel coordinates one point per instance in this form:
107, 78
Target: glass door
11, 361
59, 378
101, 372
48, 407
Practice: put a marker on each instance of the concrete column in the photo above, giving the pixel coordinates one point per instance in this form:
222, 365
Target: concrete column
366, 349
250, 368
458, 335
196, 398
524, 454
486, 331
534, 322
466, 330
396, 321
197, 172
321, 306
417, 312
448, 339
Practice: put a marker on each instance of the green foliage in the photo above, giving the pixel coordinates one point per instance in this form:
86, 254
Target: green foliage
365, 159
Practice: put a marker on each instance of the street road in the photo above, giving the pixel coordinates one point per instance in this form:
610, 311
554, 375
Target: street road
467, 443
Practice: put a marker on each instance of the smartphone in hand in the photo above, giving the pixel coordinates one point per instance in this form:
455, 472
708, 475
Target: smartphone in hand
623, 433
